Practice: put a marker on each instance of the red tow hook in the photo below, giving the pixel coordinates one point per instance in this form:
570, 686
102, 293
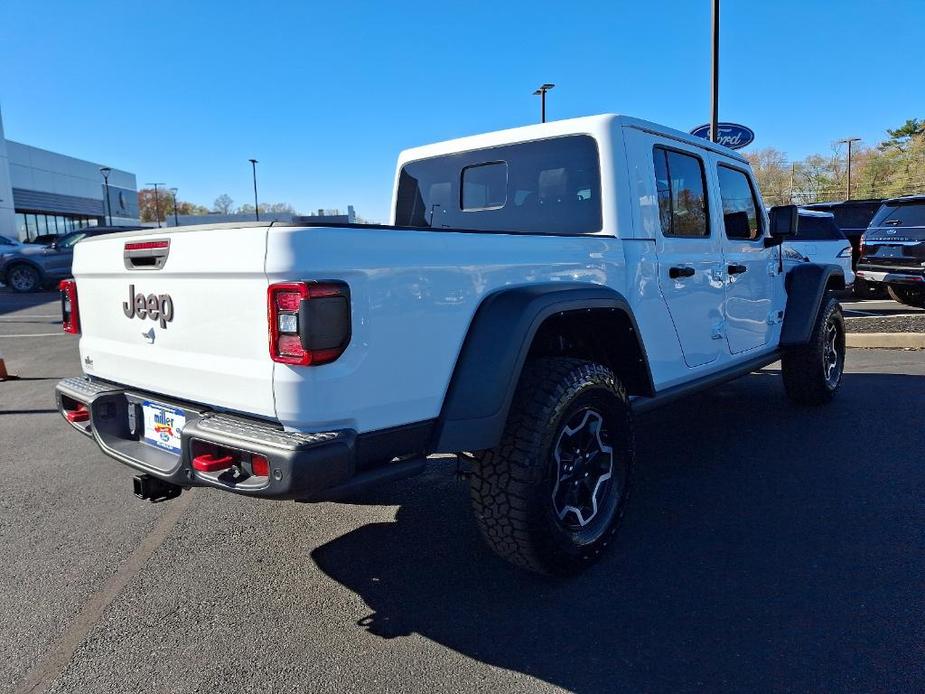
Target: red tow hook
81, 414
207, 462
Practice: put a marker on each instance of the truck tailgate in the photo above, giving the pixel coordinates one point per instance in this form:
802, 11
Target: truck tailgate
206, 340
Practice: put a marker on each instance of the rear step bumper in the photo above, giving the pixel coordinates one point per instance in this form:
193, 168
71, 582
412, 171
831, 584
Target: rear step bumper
305, 467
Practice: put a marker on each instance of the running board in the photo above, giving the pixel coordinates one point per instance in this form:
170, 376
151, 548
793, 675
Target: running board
642, 404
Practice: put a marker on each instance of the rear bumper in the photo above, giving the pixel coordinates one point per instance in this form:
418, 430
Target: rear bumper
892, 276
302, 466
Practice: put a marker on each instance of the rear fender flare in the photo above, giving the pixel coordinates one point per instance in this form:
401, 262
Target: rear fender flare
490, 362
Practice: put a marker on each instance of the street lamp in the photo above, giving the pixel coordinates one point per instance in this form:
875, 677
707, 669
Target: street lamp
848, 141
157, 204
105, 170
541, 92
176, 222
714, 80
256, 207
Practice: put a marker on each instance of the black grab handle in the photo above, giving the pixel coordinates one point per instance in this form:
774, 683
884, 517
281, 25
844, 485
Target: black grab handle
680, 271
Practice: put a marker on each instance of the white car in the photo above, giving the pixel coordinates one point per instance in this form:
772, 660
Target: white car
820, 240
535, 289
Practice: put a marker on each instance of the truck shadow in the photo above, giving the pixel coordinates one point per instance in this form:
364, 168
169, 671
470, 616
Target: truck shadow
766, 547
10, 301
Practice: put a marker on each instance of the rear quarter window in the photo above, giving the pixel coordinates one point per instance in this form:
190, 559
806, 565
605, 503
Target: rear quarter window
818, 229
546, 186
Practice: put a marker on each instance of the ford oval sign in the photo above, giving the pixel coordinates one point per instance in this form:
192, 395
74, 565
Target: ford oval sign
731, 135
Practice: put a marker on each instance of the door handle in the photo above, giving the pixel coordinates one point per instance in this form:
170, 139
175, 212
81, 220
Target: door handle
680, 271
736, 269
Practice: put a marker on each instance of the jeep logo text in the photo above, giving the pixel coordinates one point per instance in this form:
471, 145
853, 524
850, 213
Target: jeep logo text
154, 306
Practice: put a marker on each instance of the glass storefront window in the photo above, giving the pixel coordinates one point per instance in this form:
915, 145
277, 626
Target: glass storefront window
21, 230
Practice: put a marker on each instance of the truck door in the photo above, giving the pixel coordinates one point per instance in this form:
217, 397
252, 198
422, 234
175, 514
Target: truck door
689, 256
750, 268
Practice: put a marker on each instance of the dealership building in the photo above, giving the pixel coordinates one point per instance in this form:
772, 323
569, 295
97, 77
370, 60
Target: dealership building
44, 192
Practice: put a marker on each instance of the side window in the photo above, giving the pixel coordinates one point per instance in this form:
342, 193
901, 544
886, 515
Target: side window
484, 186
682, 202
740, 207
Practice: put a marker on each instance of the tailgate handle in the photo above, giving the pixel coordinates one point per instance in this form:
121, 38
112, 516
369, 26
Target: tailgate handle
146, 255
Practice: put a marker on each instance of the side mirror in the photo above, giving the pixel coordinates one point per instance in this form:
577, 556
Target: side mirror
785, 219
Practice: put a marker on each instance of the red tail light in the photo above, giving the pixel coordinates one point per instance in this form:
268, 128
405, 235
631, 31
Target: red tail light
309, 322
69, 312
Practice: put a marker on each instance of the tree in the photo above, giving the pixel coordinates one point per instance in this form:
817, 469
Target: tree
901, 137
267, 208
773, 174
164, 205
223, 203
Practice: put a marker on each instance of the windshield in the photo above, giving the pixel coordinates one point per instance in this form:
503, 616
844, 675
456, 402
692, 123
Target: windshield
5, 241
909, 214
68, 240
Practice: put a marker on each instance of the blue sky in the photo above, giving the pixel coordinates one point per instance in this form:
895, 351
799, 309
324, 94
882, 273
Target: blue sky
325, 95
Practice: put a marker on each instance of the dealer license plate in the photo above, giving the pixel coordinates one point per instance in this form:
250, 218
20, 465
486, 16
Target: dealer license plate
163, 426
890, 252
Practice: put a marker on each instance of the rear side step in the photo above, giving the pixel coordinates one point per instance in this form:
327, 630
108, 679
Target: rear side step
153, 489
367, 480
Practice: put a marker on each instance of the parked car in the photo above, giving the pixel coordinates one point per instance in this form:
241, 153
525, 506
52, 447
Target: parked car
820, 240
28, 267
8, 245
44, 239
535, 289
893, 250
852, 218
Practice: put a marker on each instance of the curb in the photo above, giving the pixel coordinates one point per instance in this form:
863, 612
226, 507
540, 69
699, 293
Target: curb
886, 340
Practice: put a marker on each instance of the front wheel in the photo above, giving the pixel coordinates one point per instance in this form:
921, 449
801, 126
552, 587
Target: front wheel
812, 372
910, 296
23, 278
550, 497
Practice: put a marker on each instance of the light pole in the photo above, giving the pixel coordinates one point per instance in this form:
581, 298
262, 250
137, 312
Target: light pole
714, 80
541, 92
105, 170
176, 222
256, 206
157, 204
849, 141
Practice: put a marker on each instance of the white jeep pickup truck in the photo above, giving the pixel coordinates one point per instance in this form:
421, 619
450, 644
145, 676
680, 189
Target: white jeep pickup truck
535, 289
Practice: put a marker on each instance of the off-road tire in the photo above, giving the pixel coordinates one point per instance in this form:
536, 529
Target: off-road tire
805, 369
513, 486
910, 296
23, 278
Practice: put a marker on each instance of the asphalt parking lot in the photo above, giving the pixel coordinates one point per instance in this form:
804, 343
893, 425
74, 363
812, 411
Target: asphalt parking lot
765, 548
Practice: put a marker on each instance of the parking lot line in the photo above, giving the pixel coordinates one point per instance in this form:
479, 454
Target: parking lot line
34, 335
32, 315
49, 668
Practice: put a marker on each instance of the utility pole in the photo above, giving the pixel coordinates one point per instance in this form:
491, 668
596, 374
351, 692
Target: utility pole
714, 83
157, 204
176, 222
849, 141
541, 92
793, 168
256, 206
